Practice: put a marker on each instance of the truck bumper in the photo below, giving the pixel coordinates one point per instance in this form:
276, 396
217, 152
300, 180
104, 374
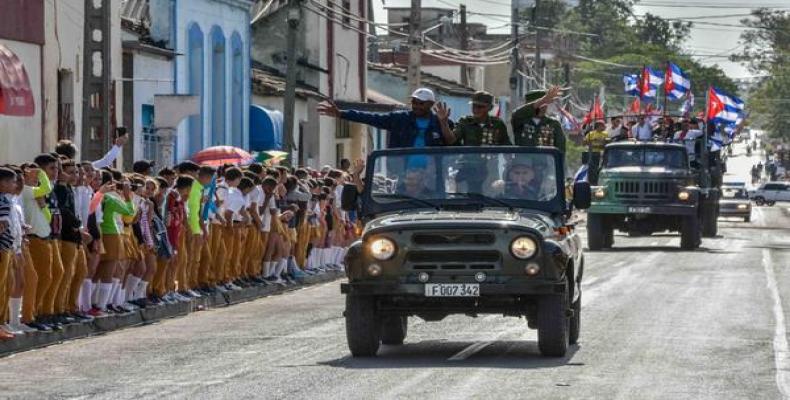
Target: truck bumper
608, 208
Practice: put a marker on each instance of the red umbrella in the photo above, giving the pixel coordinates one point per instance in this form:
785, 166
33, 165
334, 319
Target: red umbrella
218, 155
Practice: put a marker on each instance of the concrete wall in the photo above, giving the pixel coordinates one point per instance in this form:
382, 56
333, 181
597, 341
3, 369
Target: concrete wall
153, 75
20, 137
449, 72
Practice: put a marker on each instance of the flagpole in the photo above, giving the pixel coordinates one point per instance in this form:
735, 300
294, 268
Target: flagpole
704, 149
666, 95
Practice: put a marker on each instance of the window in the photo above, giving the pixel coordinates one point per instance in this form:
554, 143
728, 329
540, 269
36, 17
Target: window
342, 129
772, 186
339, 153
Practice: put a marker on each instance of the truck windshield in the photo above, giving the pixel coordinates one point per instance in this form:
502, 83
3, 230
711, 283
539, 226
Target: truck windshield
644, 157
494, 179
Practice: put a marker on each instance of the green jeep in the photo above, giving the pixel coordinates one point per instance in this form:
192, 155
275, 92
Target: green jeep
649, 187
463, 230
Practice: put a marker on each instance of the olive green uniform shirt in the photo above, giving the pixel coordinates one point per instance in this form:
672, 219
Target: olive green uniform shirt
470, 132
548, 132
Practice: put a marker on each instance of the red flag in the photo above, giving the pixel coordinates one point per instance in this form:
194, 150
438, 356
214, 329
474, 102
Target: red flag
595, 114
715, 105
635, 107
644, 83
650, 109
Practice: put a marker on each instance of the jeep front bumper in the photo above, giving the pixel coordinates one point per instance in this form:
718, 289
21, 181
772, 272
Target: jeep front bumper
486, 289
642, 209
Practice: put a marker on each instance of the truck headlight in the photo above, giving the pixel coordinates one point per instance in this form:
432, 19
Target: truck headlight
600, 193
683, 195
742, 206
382, 248
523, 247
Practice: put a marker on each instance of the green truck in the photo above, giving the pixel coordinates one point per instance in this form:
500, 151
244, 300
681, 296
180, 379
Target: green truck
648, 187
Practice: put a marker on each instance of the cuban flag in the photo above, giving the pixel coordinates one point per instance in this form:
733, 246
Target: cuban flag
677, 83
569, 122
631, 83
688, 105
649, 83
723, 108
581, 174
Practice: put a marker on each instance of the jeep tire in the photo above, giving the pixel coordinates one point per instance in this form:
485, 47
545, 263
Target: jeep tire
553, 325
596, 232
710, 214
689, 232
575, 326
363, 325
393, 329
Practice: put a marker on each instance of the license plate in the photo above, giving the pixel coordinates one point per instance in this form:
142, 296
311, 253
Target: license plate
452, 290
639, 210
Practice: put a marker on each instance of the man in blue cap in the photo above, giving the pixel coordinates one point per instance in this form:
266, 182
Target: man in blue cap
418, 127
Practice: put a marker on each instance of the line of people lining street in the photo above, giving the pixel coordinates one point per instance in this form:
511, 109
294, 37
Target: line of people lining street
81, 240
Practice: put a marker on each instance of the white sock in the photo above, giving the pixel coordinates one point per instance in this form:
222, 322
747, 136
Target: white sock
115, 287
129, 286
95, 293
281, 265
105, 289
118, 296
142, 290
14, 311
311, 259
322, 253
266, 268
85, 295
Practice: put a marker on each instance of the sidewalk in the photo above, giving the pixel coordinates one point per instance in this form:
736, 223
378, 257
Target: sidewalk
154, 314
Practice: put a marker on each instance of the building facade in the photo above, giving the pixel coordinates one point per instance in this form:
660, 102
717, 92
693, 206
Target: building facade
212, 40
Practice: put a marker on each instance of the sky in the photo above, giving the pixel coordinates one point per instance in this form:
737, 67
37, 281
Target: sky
705, 40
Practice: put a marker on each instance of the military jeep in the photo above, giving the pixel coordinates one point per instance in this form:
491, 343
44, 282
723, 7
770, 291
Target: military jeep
463, 230
649, 187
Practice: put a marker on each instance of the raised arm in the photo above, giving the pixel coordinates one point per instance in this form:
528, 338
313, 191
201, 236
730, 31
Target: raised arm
378, 120
443, 114
111, 155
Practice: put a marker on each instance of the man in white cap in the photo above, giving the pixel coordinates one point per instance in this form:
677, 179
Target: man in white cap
418, 127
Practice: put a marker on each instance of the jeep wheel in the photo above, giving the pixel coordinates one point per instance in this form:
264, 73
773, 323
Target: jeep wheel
689, 233
575, 327
553, 325
393, 329
596, 239
363, 326
759, 200
747, 218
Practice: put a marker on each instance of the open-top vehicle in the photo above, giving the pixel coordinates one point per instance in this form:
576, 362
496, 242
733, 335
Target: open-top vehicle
464, 230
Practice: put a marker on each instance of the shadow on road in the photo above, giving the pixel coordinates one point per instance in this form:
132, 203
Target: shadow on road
664, 249
521, 354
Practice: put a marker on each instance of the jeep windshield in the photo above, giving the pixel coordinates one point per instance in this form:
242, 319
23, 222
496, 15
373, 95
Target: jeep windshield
616, 157
449, 177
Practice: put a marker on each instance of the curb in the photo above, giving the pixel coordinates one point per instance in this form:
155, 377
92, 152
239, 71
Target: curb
150, 315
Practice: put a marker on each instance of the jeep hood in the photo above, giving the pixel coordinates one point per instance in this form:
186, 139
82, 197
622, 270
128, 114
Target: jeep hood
486, 219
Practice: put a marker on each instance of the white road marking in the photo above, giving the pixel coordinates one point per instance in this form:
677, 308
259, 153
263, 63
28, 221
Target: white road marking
469, 351
780, 331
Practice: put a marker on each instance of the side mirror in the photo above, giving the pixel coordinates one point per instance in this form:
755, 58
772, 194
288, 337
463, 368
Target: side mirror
348, 197
581, 195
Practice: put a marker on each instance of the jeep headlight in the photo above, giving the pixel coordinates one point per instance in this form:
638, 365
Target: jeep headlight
600, 193
382, 249
683, 195
523, 247
742, 206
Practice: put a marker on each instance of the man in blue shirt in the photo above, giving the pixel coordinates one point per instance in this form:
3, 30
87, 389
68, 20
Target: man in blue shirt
418, 127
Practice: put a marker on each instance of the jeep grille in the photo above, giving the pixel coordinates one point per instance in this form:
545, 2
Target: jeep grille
428, 239
456, 260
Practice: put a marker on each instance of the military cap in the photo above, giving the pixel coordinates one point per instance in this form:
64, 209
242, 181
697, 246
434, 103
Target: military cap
482, 98
533, 96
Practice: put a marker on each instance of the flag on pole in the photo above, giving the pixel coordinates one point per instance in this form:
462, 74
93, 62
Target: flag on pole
649, 83
569, 122
723, 108
688, 105
677, 84
631, 84
635, 107
595, 114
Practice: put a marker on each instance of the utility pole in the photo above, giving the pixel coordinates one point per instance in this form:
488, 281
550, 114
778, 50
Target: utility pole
515, 98
567, 71
464, 45
415, 45
536, 24
294, 16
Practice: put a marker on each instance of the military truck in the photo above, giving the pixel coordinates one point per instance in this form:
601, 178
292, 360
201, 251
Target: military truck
463, 230
648, 187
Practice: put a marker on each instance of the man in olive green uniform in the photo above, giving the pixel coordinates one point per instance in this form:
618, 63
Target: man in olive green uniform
531, 126
480, 128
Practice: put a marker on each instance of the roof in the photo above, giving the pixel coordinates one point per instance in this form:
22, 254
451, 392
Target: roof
374, 96
270, 83
429, 80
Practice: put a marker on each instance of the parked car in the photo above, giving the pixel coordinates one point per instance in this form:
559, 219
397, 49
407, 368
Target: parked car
770, 192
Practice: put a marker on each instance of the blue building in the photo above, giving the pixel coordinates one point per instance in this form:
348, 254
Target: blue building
212, 40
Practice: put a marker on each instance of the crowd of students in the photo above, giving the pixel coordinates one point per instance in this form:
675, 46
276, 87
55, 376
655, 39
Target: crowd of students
81, 240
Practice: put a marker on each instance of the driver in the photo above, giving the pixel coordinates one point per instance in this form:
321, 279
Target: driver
521, 181
414, 184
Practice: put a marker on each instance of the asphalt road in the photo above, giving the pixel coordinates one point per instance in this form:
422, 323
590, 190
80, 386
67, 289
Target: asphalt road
657, 323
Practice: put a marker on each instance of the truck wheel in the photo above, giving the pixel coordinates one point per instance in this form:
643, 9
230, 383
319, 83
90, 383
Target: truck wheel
759, 200
553, 325
689, 233
770, 203
608, 236
575, 327
363, 325
709, 219
595, 232
393, 329
747, 218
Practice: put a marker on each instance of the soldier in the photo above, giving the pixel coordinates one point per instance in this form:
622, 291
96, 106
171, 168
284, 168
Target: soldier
531, 126
480, 128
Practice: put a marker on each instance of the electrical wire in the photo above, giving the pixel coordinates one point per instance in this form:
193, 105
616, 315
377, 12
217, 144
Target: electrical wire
465, 62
